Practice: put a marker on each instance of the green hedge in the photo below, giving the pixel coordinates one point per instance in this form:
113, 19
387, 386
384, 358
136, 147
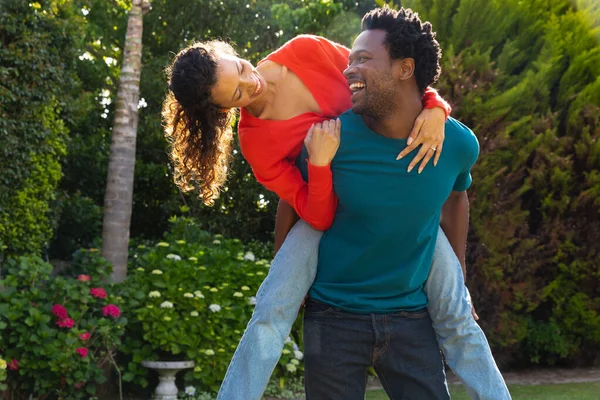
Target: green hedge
38, 56
525, 75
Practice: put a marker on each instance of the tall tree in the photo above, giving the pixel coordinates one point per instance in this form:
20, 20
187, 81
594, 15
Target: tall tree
121, 164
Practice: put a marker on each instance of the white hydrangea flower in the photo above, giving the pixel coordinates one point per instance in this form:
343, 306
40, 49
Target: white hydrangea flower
245, 288
154, 293
252, 300
188, 295
290, 367
190, 390
209, 352
192, 259
295, 361
194, 313
249, 256
288, 340
298, 354
180, 241
199, 294
264, 263
173, 257
286, 351
157, 272
214, 289
166, 304
214, 308
162, 244
238, 294
140, 269
216, 241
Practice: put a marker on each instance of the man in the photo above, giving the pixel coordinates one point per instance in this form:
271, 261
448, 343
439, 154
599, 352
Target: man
367, 306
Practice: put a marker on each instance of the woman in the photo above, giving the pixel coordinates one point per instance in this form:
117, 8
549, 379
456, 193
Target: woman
295, 88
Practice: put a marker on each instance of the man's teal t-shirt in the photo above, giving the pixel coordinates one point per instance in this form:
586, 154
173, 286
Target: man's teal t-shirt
376, 256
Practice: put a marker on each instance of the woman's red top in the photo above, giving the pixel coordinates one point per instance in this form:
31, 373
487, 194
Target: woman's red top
271, 147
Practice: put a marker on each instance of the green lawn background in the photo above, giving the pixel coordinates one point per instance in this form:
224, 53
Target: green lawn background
568, 391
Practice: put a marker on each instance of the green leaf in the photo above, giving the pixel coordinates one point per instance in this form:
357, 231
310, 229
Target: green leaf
128, 377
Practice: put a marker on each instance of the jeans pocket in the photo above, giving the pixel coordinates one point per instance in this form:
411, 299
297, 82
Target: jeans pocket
314, 307
417, 314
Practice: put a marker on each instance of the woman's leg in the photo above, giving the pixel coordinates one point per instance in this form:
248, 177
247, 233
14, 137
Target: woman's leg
461, 339
277, 304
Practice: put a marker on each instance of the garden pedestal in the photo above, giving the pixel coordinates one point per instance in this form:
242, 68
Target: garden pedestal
166, 389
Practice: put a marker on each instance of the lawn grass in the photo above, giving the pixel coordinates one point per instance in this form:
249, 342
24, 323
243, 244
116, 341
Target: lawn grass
566, 391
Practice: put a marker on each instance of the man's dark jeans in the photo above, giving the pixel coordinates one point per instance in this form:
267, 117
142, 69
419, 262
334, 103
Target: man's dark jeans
339, 346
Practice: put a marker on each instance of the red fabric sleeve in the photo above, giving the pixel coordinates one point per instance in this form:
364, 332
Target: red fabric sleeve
271, 148
432, 99
315, 202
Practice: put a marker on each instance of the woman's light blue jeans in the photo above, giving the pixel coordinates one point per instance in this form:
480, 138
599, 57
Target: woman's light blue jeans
291, 275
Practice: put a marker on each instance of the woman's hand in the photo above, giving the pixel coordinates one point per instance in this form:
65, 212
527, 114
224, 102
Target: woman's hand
322, 142
428, 132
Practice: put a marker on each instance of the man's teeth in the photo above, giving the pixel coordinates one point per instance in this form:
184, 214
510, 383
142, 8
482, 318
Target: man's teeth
357, 86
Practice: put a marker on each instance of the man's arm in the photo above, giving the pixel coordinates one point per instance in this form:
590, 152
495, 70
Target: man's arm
284, 221
455, 223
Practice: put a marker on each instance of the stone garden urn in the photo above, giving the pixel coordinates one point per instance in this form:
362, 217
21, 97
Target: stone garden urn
166, 389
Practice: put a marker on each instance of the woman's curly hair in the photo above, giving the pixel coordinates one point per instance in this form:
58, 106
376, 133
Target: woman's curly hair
199, 131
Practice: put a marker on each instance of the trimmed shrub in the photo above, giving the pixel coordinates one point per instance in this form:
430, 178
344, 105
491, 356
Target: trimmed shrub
38, 52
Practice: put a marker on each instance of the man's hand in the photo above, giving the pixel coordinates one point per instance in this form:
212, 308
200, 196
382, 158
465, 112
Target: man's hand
322, 142
474, 313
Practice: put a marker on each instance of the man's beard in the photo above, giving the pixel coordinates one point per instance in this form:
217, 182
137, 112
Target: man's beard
377, 103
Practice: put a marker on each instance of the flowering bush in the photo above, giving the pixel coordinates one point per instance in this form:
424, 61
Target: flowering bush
57, 333
191, 296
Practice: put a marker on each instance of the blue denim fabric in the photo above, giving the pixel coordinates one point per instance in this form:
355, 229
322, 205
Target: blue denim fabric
278, 301
291, 274
462, 341
340, 346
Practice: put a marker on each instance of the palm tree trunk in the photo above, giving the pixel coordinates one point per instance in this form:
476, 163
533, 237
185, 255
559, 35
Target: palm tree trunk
121, 164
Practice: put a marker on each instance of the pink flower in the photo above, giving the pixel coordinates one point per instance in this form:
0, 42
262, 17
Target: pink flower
13, 364
83, 278
65, 323
83, 352
59, 311
84, 336
78, 385
98, 292
111, 310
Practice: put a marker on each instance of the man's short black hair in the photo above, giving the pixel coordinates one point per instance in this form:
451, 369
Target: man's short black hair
408, 37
